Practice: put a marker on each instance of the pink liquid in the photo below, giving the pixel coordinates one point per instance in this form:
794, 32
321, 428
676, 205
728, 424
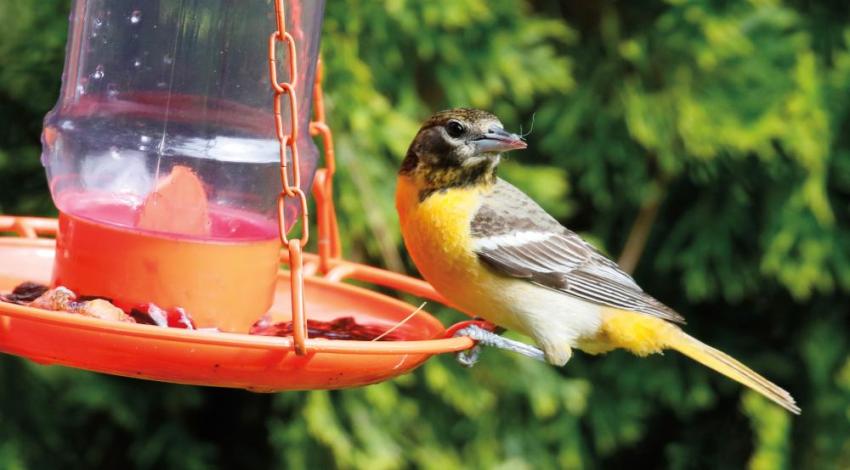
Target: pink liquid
227, 224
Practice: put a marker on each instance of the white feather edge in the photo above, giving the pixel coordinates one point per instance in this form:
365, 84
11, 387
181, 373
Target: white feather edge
512, 239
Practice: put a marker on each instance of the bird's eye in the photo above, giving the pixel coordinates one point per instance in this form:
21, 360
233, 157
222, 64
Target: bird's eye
455, 128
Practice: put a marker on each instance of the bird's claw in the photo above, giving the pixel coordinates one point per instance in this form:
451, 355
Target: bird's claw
469, 357
484, 337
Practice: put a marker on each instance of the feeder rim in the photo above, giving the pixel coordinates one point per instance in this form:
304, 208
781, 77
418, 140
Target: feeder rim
31, 231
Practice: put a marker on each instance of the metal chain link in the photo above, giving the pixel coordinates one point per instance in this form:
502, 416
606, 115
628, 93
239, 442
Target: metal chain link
291, 187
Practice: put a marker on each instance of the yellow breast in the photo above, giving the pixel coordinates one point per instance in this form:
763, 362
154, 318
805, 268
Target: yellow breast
437, 231
438, 237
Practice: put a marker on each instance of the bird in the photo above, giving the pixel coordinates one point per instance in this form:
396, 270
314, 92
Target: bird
494, 253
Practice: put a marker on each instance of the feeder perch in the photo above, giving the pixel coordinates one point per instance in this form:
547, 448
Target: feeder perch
178, 155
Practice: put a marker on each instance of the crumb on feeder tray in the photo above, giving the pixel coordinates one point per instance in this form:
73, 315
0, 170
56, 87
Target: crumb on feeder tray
64, 300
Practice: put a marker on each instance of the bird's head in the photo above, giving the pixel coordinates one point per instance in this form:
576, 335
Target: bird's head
458, 147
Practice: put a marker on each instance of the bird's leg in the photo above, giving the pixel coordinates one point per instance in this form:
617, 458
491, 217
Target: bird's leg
487, 338
496, 329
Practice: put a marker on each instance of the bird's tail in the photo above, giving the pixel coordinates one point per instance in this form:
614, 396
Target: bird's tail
728, 366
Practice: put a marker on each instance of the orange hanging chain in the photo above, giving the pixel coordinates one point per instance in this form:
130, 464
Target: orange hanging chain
328, 242
290, 188
288, 141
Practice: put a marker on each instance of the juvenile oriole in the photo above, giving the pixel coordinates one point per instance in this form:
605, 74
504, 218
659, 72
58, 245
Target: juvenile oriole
494, 253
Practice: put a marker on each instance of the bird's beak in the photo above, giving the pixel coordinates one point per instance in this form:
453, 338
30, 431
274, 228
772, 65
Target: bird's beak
498, 140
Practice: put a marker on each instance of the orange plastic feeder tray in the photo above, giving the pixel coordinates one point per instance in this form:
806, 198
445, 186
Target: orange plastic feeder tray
258, 363
129, 267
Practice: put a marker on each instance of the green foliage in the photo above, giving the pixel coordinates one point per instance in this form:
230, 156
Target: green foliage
29, 84
727, 118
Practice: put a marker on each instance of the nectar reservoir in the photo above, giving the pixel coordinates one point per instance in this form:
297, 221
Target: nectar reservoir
162, 156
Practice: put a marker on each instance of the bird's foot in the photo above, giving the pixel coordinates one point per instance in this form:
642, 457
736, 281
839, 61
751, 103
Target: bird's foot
484, 337
469, 357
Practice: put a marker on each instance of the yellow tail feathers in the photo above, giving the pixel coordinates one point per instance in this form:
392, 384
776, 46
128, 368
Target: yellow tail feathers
643, 334
728, 366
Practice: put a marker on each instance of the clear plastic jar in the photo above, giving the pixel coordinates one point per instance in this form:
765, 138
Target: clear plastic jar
164, 132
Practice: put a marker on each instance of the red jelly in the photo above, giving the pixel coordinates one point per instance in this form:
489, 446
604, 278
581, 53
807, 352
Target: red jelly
338, 328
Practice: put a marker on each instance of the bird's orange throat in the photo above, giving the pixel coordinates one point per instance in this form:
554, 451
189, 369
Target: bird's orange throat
430, 178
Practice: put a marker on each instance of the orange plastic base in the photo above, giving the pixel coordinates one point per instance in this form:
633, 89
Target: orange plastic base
227, 285
221, 359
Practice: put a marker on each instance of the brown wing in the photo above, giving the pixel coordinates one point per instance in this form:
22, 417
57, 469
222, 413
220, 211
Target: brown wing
516, 237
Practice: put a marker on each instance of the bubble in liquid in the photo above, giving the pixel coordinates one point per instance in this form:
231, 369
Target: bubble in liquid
98, 22
66, 125
135, 17
137, 63
114, 153
233, 225
98, 72
112, 90
144, 139
81, 86
161, 84
167, 59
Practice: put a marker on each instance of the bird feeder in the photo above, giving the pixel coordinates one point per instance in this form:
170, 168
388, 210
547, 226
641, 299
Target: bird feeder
180, 155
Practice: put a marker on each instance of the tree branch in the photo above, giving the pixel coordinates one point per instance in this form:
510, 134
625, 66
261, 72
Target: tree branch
639, 234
